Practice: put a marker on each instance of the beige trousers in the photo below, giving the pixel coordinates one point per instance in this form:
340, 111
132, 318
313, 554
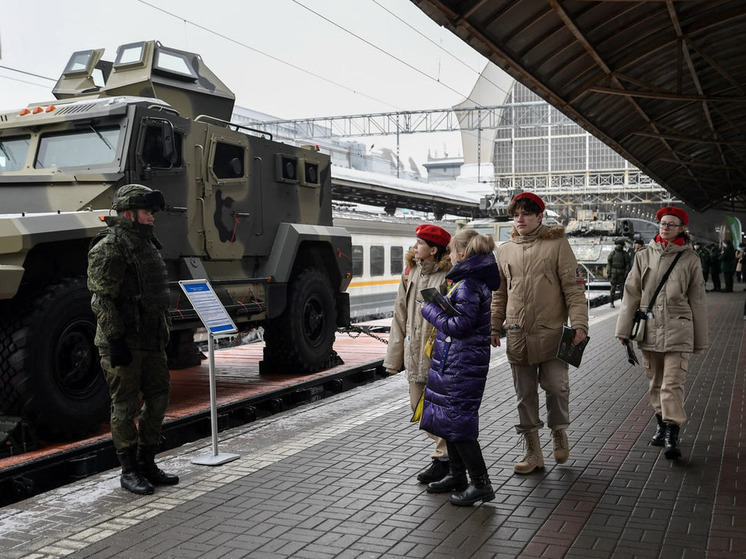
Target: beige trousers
666, 374
554, 379
415, 391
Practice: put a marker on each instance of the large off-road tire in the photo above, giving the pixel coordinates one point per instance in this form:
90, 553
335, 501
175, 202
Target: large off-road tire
301, 339
51, 363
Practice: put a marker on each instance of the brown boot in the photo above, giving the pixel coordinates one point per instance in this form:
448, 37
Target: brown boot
561, 446
533, 460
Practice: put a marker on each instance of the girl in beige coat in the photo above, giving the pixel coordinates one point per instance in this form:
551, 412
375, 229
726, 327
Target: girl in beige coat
427, 263
677, 323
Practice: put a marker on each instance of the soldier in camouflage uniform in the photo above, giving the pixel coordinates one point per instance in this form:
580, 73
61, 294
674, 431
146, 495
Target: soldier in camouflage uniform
130, 298
619, 265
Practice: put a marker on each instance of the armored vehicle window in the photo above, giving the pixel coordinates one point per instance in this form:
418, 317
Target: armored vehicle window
228, 163
13, 153
397, 260
153, 149
174, 63
358, 257
86, 147
377, 260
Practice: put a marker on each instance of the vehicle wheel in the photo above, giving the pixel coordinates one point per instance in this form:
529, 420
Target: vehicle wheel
301, 339
55, 369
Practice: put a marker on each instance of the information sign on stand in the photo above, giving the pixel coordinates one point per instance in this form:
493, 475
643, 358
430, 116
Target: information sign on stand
218, 322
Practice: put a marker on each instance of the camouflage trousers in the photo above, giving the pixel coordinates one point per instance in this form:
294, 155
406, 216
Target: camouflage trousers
146, 377
617, 280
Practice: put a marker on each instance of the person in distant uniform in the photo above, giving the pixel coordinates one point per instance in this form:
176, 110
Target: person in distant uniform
715, 267
637, 245
617, 268
427, 264
130, 297
704, 259
728, 264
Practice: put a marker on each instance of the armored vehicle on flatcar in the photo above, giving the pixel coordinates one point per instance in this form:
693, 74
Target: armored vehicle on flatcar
251, 215
592, 236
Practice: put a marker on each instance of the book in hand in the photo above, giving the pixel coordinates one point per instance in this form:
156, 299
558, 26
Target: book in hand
432, 295
569, 353
631, 355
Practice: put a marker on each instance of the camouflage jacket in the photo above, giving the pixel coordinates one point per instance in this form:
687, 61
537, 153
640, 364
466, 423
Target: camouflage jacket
129, 285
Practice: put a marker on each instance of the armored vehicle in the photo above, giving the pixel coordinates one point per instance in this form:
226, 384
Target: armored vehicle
592, 236
251, 215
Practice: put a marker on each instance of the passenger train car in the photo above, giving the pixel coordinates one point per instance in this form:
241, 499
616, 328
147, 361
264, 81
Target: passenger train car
379, 243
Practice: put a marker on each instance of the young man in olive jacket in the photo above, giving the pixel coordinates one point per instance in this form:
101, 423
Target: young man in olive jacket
539, 291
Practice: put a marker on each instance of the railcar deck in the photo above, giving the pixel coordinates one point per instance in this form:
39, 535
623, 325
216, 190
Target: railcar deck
242, 395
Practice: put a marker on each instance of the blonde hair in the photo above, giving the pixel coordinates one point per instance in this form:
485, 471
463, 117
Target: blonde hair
468, 242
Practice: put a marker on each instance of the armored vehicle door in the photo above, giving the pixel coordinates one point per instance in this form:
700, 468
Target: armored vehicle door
229, 219
159, 164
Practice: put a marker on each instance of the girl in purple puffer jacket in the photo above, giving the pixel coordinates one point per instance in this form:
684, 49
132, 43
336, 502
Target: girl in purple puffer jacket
460, 361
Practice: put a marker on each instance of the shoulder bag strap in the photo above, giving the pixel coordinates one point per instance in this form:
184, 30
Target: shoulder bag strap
663, 280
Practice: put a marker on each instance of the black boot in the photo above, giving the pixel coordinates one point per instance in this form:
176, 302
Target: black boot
480, 489
672, 442
149, 470
456, 478
659, 439
131, 480
435, 472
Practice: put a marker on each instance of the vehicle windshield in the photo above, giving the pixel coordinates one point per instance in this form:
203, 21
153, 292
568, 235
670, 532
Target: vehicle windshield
586, 253
13, 153
84, 147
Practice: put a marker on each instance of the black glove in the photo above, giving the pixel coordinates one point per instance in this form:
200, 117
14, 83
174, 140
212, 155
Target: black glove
119, 353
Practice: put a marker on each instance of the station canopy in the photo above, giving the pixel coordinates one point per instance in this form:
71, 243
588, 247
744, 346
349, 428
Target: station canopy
663, 82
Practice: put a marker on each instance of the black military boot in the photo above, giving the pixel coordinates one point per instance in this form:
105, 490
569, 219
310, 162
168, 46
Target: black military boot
659, 439
131, 480
149, 470
435, 472
672, 442
480, 489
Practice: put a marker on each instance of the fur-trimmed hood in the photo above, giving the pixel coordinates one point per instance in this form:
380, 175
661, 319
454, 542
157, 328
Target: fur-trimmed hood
542, 232
443, 265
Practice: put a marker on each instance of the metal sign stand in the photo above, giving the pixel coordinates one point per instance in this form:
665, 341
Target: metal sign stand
213, 315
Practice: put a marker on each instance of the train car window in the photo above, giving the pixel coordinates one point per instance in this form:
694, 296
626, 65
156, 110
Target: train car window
358, 259
377, 260
397, 260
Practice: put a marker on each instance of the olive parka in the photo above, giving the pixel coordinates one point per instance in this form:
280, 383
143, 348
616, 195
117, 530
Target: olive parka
679, 314
409, 331
540, 288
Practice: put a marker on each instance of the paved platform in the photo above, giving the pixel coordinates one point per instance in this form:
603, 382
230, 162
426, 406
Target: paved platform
336, 479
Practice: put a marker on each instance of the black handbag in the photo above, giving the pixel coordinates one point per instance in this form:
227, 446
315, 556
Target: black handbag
639, 321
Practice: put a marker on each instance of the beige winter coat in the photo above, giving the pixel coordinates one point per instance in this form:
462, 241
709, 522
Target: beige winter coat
679, 315
409, 330
539, 289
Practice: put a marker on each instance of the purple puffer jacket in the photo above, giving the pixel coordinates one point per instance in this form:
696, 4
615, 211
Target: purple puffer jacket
461, 355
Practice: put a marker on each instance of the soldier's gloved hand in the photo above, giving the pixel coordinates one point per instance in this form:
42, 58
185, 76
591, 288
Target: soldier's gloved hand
119, 353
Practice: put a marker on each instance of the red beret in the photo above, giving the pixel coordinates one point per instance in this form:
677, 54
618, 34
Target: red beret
434, 234
531, 196
670, 210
